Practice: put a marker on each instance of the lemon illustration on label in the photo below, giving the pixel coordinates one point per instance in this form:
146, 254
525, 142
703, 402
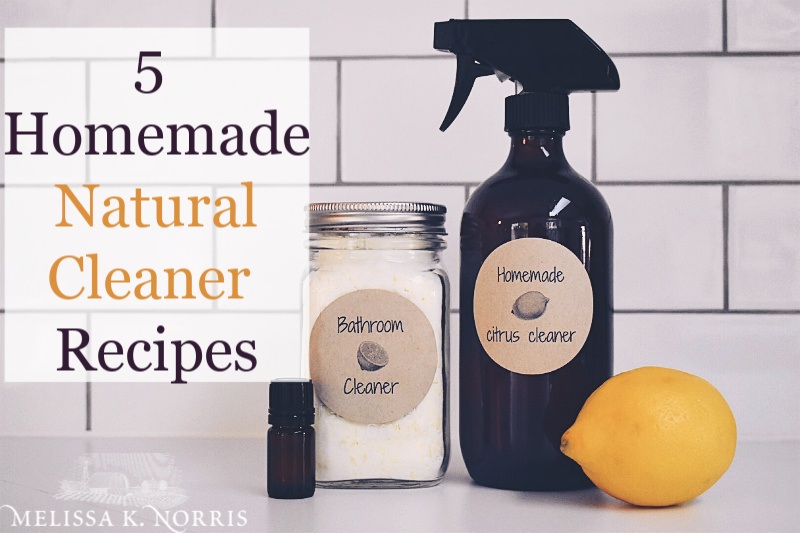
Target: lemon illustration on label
371, 356
530, 305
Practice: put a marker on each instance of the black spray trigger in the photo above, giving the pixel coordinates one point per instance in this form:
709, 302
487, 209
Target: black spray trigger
467, 71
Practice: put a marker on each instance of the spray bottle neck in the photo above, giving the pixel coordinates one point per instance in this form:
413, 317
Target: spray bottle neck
533, 111
536, 148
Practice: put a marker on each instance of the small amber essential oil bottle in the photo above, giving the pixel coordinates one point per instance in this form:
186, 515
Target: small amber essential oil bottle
290, 440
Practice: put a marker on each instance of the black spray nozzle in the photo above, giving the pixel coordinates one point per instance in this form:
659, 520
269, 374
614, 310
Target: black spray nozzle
550, 56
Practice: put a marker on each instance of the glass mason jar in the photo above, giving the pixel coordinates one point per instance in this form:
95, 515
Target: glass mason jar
377, 327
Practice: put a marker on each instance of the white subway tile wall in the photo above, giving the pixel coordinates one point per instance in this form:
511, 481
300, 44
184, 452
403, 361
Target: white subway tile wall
324, 120
349, 28
765, 247
103, 14
391, 111
763, 25
717, 118
624, 25
697, 156
668, 246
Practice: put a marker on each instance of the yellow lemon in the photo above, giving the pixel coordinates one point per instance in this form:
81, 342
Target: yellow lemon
653, 436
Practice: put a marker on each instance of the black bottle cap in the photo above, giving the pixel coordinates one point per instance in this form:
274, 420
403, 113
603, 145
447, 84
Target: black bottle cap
546, 111
291, 402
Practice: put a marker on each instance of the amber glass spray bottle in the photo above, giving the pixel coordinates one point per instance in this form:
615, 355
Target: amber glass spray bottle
536, 258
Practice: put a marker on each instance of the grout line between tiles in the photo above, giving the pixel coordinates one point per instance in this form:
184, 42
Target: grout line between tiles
88, 403
86, 90
230, 58
775, 53
89, 379
707, 311
214, 302
594, 137
737, 183
296, 311
724, 25
725, 258
405, 184
25, 486
610, 183
151, 310
213, 25
442, 57
466, 9
466, 193
688, 53
356, 184
338, 121
388, 57
87, 179
180, 184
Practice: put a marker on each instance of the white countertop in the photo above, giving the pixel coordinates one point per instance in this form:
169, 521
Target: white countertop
760, 492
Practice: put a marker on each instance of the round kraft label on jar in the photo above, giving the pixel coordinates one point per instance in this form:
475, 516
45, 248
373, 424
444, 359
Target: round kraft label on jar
533, 305
373, 356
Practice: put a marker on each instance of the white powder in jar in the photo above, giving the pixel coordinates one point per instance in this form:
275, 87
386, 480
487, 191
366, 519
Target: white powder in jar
411, 448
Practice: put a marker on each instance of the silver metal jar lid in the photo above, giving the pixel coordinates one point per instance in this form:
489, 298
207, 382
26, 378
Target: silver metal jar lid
377, 217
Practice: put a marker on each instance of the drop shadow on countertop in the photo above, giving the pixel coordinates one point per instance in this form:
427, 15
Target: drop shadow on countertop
589, 497
594, 498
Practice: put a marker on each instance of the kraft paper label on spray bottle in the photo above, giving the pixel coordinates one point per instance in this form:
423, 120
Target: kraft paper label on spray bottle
373, 356
533, 305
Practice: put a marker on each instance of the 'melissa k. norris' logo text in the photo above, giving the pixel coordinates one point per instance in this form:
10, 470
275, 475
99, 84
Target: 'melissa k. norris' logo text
175, 521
